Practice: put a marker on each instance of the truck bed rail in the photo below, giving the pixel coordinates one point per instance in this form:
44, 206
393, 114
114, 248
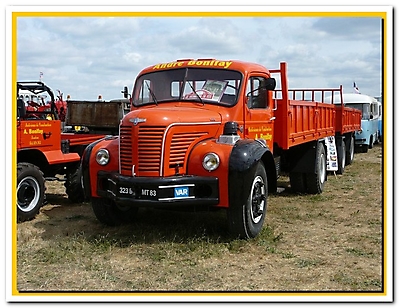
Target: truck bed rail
303, 115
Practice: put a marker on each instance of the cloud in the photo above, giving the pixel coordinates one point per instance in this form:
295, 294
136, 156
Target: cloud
86, 53
351, 29
213, 36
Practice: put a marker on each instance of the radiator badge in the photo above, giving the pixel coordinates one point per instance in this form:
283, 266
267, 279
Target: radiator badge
136, 121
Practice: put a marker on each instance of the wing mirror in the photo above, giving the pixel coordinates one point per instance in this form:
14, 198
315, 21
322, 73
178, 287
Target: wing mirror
125, 92
270, 83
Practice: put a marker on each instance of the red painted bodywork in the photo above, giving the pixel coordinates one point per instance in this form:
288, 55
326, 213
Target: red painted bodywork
182, 132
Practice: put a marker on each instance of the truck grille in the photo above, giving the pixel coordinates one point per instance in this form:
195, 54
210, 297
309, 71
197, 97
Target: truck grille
125, 148
149, 148
143, 148
179, 146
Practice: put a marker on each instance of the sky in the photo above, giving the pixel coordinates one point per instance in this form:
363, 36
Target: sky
85, 57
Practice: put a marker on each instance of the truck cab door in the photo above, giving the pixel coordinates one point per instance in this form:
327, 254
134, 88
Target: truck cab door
258, 110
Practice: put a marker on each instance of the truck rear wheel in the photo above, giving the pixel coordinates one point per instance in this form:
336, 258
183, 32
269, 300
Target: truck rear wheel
350, 150
246, 220
30, 191
73, 186
341, 155
315, 181
109, 213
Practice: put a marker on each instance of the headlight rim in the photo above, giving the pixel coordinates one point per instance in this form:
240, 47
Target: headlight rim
211, 156
105, 157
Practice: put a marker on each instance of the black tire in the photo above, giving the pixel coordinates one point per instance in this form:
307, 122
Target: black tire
341, 156
364, 148
246, 220
108, 213
377, 139
30, 191
371, 142
350, 151
315, 181
298, 182
73, 186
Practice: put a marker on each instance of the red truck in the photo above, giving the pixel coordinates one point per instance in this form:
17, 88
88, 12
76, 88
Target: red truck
208, 133
45, 152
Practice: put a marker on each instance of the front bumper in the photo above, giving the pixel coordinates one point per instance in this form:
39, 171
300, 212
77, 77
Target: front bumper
147, 191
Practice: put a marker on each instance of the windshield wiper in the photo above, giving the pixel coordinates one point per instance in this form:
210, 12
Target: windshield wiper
199, 97
151, 92
191, 86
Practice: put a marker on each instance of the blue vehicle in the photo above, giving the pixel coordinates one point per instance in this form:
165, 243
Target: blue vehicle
379, 99
371, 116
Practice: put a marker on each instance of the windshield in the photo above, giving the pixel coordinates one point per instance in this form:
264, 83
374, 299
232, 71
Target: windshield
215, 86
364, 108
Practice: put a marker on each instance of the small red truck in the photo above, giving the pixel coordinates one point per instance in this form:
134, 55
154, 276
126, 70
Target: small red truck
45, 152
209, 133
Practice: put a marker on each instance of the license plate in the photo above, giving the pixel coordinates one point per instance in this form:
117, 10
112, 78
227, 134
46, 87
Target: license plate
182, 192
127, 191
149, 193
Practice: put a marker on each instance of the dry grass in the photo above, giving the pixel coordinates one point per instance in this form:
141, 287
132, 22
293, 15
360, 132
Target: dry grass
327, 242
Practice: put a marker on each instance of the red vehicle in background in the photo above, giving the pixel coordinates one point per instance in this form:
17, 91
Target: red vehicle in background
44, 151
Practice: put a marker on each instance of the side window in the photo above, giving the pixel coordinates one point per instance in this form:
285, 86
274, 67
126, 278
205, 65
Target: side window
256, 93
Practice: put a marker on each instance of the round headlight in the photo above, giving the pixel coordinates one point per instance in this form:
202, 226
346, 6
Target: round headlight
211, 161
102, 157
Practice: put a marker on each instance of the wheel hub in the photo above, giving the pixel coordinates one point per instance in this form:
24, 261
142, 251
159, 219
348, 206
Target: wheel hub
27, 194
258, 199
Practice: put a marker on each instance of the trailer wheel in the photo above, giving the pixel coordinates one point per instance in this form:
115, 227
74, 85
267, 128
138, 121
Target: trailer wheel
350, 151
298, 182
73, 186
315, 181
30, 191
246, 220
341, 155
109, 213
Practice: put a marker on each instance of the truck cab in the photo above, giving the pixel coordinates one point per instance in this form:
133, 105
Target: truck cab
188, 141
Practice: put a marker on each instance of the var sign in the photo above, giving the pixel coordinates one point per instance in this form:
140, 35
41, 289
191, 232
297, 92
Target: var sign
181, 192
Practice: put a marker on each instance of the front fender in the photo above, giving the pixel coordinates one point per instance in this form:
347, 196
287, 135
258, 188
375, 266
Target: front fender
242, 166
89, 166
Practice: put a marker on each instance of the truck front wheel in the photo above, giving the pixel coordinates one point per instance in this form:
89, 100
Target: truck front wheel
73, 185
30, 191
315, 181
109, 213
246, 220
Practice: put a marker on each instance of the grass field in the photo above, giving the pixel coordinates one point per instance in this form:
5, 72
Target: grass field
328, 242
